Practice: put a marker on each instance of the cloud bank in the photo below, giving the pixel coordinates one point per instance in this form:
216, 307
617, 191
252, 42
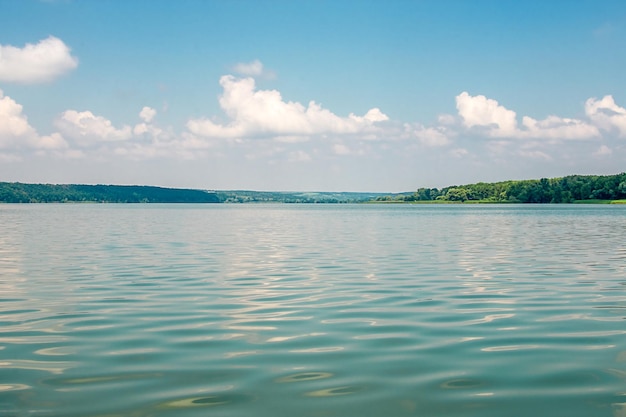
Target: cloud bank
496, 121
606, 114
85, 128
36, 63
264, 113
17, 133
259, 124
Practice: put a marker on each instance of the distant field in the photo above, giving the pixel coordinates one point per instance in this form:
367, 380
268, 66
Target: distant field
595, 201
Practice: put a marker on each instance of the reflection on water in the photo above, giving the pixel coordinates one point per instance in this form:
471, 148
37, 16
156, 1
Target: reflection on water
304, 376
273, 310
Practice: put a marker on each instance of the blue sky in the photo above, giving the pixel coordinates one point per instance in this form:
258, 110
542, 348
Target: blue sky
310, 95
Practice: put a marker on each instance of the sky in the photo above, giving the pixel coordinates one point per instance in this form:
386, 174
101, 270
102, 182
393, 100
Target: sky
310, 95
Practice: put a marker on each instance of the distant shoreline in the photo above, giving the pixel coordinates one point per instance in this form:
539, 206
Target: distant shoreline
573, 189
77, 193
480, 202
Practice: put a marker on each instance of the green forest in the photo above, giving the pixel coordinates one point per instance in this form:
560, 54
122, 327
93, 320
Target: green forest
570, 189
49, 193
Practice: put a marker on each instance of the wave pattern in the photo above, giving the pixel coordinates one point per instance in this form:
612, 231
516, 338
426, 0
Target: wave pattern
273, 310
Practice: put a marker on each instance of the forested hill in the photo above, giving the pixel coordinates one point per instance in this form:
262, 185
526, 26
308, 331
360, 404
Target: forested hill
570, 189
49, 193
573, 188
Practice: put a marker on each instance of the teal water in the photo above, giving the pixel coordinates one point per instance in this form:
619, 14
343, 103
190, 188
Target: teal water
305, 310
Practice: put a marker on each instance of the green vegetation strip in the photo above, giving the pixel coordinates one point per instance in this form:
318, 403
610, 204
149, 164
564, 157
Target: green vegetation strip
579, 189
588, 189
49, 193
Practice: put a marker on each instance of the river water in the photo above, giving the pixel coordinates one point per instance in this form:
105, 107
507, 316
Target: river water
312, 310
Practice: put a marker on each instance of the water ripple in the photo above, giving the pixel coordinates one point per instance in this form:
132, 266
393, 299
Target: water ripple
308, 310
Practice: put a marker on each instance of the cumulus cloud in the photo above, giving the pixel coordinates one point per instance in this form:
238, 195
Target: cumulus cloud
554, 127
264, 113
36, 63
499, 122
13, 124
147, 114
86, 128
482, 111
253, 113
606, 114
142, 129
16, 132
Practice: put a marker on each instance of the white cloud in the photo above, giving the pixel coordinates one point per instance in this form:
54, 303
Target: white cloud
482, 111
251, 69
147, 114
554, 127
53, 141
87, 128
264, 113
446, 119
427, 136
13, 124
16, 132
141, 129
500, 122
309, 132
372, 116
42, 62
606, 114
146, 127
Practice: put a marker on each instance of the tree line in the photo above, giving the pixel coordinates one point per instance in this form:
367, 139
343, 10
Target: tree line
573, 188
13, 192
545, 190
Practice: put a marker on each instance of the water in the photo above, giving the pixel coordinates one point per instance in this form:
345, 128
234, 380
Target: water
328, 310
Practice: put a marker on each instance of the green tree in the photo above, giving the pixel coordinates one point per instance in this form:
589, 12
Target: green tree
456, 194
